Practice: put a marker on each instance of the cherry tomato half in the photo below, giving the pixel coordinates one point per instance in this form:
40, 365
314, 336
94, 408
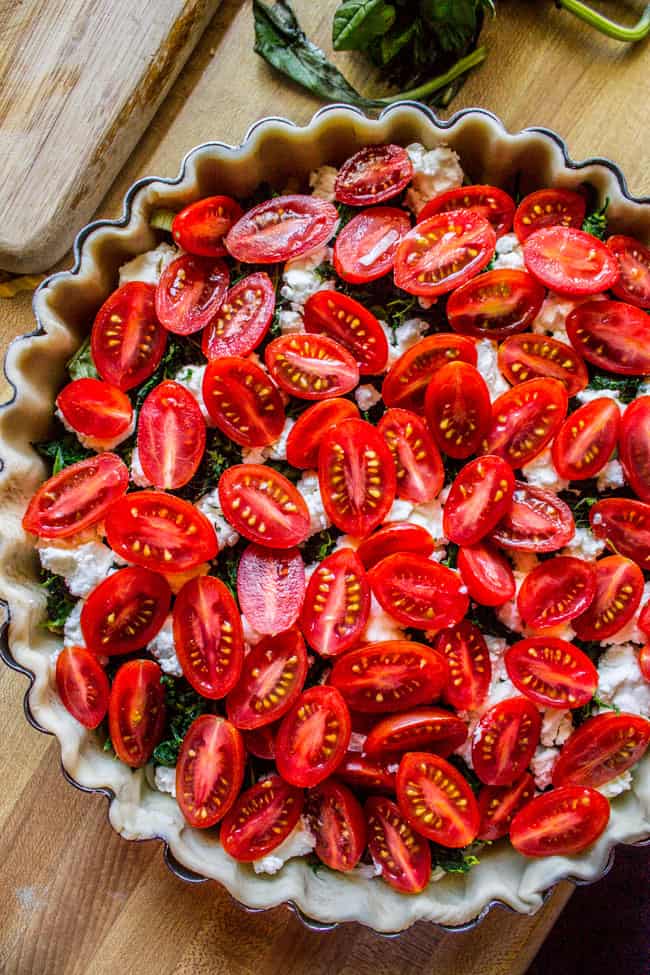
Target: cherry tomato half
418, 464
634, 446
271, 587
644, 662
95, 409
489, 201
401, 854
351, 325
260, 819
82, 685
313, 737
470, 670
533, 356
611, 335
305, 436
190, 292
125, 611
625, 526
633, 259
586, 439
570, 262
432, 728
260, 742
561, 822
136, 711
619, 588
208, 636
243, 402
337, 821
486, 573
367, 773
171, 436
210, 770
372, 175
551, 672
337, 604
505, 740
127, 342
406, 383
498, 806
549, 208
263, 506
272, 677
418, 592
365, 249
389, 676
311, 366
556, 591
457, 408
525, 419
480, 495
200, 227
538, 521
243, 318
495, 304
281, 228
601, 749
398, 536
436, 800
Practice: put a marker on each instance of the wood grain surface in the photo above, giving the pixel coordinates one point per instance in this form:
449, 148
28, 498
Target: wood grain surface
76, 899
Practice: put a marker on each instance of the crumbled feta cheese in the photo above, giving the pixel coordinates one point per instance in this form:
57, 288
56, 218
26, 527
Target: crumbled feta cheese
587, 395
584, 545
93, 443
541, 472
298, 843
542, 764
557, 726
149, 266
368, 870
427, 303
428, 514
488, 367
553, 314
509, 253
165, 779
616, 786
380, 625
82, 567
191, 377
497, 647
611, 476
274, 451
620, 681
251, 635
509, 615
404, 337
300, 279
138, 476
644, 388
321, 182
163, 648
356, 742
434, 171
400, 510
72, 635
209, 505
290, 321
310, 489
366, 396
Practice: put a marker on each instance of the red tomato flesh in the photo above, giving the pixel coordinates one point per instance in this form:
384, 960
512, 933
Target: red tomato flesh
127, 342
402, 855
525, 419
243, 318
538, 521
498, 805
281, 229
389, 676
337, 604
311, 366
532, 356
125, 611
95, 409
171, 436
556, 591
601, 749
350, 324
263, 506
619, 589
495, 304
633, 259
457, 408
200, 227
418, 592
406, 383
418, 464
489, 201
480, 496
551, 672
586, 439
82, 685
365, 249
634, 446
190, 292
549, 208
136, 711
272, 677
561, 822
305, 436
367, 773
569, 261
504, 741
210, 770
337, 821
611, 335
260, 819
625, 526
313, 737
486, 573
470, 670
432, 728
437, 800
372, 175
243, 402
398, 536
271, 587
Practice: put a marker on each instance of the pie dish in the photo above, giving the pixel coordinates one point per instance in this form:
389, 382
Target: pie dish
274, 150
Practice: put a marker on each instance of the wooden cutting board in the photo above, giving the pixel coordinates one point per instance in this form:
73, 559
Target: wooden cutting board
79, 82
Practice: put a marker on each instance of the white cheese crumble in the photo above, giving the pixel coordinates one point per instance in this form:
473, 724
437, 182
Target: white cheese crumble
553, 314
94, 443
497, 647
587, 395
542, 764
541, 472
310, 489
72, 635
557, 726
165, 779
163, 648
380, 625
616, 786
274, 451
509, 253
300, 279
366, 396
191, 377
209, 505
368, 870
290, 321
83, 567
137, 475
611, 476
434, 171
298, 843
321, 182
149, 266
488, 367
584, 545
620, 681
404, 337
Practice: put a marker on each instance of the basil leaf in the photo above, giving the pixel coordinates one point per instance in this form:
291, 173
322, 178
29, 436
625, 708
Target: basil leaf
357, 22
453, 21
81, 365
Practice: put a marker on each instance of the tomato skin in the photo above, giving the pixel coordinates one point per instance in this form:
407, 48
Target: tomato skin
389, 676
367, 773
95, 409
160, 531
556, 591
480, 496
586, 440
260, 819
136, 711
78, 496
365, 249
171, 436
633, 259
489, 201
127, 342
538, 521
407, 379
570, 261
398, 536
313, 737
644, 662
525, 419
498, 806
432, 728
200, 227
125, 611
634, 446
208, 636
611, 335
210, 770
437, 800
271, 587
260, 742
337, 604
281, 228
551, 672
470, 669
601, 749
313, 367
418, 464
242, 320
372, 175
457, 408
418, 592
403, 856
486, 573
625, 525
190, 292
242, 484
533, 356
243, 402
505, 740
277, 662
82, 685
337, 821
351, 325
495, 304
619, 590
534, 832
305, 436
643, 621
549, 208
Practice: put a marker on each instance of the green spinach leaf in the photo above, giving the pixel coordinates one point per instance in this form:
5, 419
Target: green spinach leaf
358, 22
59, 601
82, 365
183, 705
62, 451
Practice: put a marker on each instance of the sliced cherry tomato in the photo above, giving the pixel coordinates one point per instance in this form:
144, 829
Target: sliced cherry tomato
311, 366
337, 821
337, 604
435, 729
271, 587
243, 402
200, 227
538, 521
281, 229
272, 677
601, 749
365, 249
556, 591
368, 774
351, 325
260, 742
495, 304
125, 611
625, 526
401, 854
82, 685
561, 822
260, 819
611, 335
76, 497
533, 356
171, 436
418, 464
136, 711
525, 419
489, 201
437, 800
551, 672
96, 410
419, 592
643, 621
498, 806
644, 662
160, 532
443, 252
190, 292
634, 264
406, 383
263, 506
390, 676
127, 342
372, 175
210, 770
305, 436
486, 573
313, 737
549, 208
457, 407
357, 477
398, 536
570, 262
243, 318
208, 636
480, 496
505, 740
619, 588
470, 670
634, 446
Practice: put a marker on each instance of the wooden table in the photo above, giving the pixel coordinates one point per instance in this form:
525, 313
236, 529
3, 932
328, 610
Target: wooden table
77, 900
